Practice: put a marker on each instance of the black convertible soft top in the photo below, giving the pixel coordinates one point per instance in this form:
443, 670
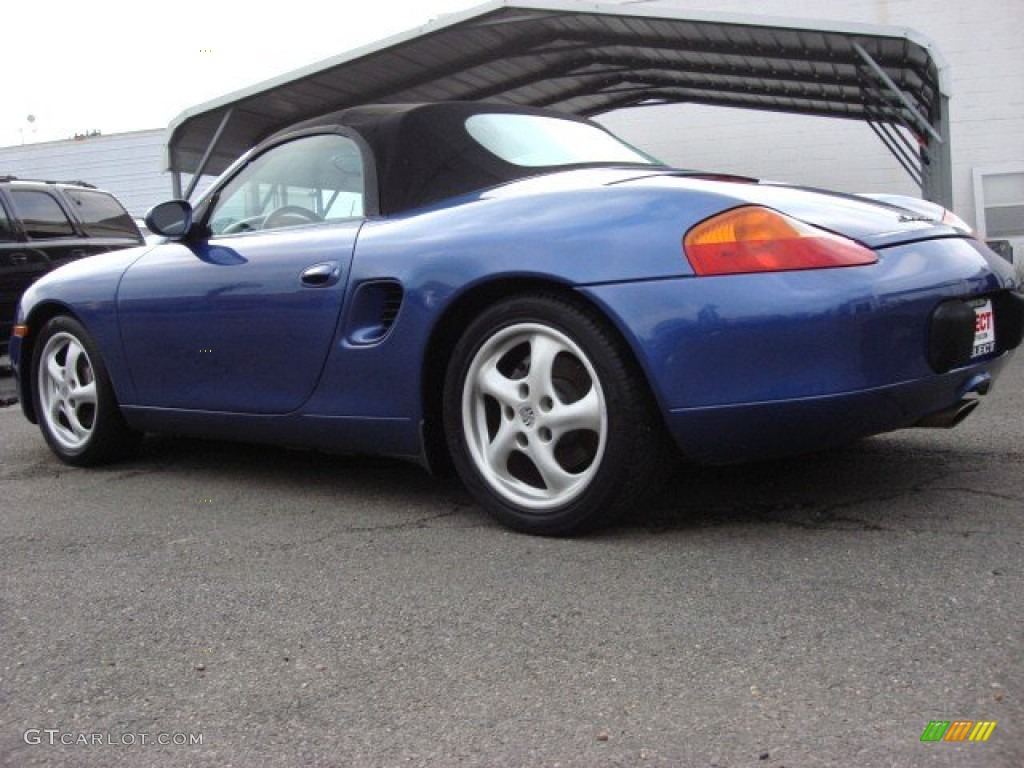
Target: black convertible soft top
424, 152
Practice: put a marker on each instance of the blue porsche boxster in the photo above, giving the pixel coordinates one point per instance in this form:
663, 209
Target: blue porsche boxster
519, 294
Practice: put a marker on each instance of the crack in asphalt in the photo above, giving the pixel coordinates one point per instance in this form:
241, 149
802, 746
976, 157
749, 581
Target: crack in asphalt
813, 516
957, 456
418, 523
978, 492
34, 472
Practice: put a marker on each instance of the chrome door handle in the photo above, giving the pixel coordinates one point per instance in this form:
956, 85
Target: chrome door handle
320, 275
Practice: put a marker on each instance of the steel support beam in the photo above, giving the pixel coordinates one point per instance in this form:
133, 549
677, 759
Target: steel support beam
936, 178
938, 161
920, 119
206, 155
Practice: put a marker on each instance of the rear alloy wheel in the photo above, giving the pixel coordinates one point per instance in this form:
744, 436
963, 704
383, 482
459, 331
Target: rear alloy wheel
73, 398
547, 423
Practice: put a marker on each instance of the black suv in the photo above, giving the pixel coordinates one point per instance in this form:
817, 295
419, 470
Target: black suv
44, 224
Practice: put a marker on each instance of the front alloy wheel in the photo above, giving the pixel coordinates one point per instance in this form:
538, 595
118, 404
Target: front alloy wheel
74, 400
67, 392
546, 421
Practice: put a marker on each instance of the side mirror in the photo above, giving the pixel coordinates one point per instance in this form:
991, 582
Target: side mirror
171, 219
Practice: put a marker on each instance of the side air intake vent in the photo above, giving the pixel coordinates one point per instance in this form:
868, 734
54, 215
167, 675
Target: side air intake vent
375, 309
392, 303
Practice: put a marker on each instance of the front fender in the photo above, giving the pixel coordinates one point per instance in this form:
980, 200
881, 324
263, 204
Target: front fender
87, 290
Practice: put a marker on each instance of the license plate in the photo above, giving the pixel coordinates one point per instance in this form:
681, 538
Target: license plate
984, 328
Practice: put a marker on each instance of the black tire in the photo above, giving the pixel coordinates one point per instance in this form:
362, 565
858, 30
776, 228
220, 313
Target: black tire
74, 401
548, 422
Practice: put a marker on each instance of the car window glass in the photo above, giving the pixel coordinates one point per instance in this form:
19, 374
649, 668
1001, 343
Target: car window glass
101, 214
40, 214
6, 228
536, 140
306, 181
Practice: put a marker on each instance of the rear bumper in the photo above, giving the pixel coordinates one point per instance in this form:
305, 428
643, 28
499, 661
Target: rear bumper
758, 365
750, 431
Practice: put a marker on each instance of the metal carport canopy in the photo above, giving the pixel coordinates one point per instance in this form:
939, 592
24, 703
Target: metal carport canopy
588, 58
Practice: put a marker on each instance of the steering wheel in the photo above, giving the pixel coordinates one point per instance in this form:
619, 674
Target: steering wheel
290, 216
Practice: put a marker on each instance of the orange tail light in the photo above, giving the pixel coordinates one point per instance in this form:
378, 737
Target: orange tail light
755, 239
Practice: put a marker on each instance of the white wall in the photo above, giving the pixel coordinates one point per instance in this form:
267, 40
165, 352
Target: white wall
126, 164
982, 42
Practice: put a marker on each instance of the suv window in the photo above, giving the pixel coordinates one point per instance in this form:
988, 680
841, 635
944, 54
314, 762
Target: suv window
308, 180
6, 228
101, 214
41, 210
40, 214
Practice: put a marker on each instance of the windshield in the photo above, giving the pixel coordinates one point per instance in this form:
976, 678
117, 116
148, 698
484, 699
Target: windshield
535, 140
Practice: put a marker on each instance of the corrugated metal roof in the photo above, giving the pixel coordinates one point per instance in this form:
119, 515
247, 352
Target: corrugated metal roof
588, 58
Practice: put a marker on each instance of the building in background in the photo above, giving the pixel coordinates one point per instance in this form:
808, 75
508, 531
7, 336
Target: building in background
125, 164
979, 40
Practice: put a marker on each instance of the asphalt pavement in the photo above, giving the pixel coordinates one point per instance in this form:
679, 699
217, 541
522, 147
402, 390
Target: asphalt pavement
287, 608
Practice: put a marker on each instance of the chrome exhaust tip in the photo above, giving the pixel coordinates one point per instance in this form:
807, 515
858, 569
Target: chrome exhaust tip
948, 417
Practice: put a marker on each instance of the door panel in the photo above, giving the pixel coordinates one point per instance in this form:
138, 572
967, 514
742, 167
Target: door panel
229, 324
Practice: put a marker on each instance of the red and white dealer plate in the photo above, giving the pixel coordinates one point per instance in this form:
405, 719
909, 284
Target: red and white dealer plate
984, 328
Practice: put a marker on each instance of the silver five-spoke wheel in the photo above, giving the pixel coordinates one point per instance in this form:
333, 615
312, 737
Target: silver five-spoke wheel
72, 396
535, 415
67, 391
547, 418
